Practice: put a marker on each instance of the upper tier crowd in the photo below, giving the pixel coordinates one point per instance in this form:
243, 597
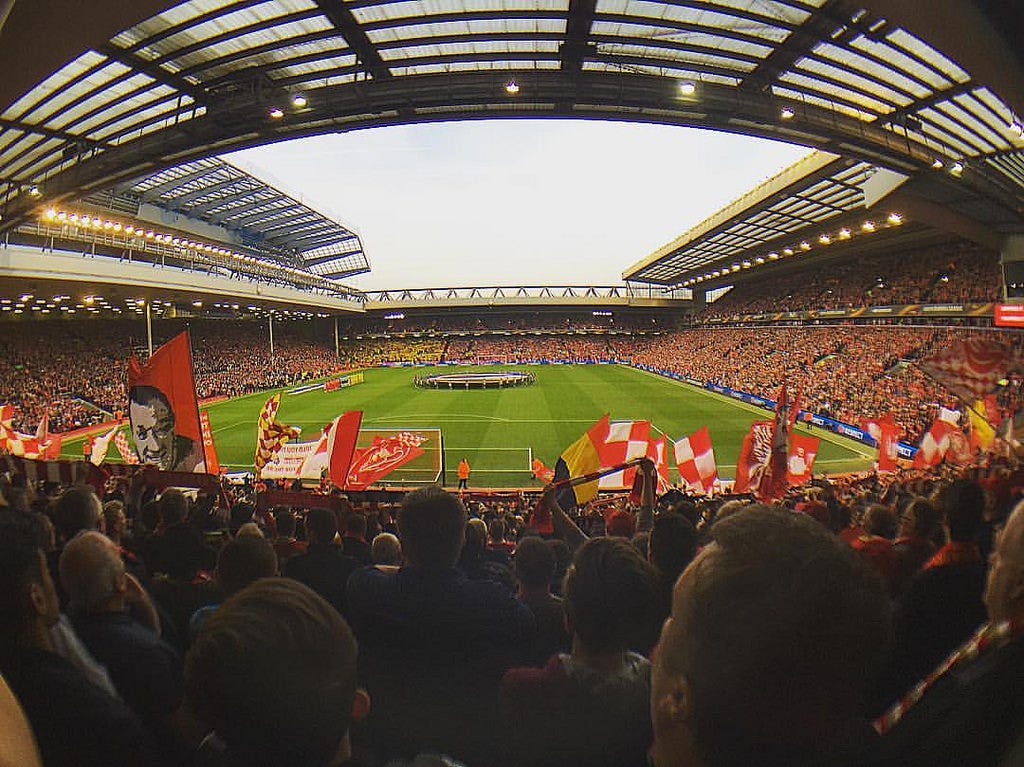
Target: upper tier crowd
950, 274
139, 626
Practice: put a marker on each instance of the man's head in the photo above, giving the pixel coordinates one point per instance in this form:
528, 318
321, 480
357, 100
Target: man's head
920, 520
114, 521
963, 509
285, 521
273, 671
673, 544
776, 631
1004, 592
433, 526
245, 559
92, 573
880, 520
355, 525
534, 563
28, 599
609, 591
321, 526
496, 530
386, 550
173, 507
152, 422
78, 509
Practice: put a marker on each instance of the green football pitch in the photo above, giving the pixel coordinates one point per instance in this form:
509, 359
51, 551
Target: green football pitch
498, 430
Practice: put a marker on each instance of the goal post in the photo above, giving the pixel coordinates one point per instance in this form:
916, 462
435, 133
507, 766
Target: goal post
492, 461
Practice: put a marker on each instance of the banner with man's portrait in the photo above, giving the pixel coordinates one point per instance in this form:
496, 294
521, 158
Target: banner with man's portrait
162, 408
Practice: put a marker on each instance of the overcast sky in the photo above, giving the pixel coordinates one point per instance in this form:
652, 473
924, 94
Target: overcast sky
507, 202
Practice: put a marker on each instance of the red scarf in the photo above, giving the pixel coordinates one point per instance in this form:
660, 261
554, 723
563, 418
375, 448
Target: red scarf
955, 553
989, 637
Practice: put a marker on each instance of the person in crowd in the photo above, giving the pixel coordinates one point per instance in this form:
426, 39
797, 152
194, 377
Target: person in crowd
534, 570
435, 642
776, 634
324, 567
673, 546
18, 746
179, 551
76, 723
970, 709
77, 509
876, 542
273, 673
353, 538
914, 547
244, 559
590, 706
386, 550
942, 605
118, 623
477, 562
286, 545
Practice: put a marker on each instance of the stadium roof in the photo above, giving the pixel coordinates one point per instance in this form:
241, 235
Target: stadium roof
263, 218
812, 192
152, 85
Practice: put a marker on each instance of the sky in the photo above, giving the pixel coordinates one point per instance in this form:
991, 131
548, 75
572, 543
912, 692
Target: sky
515, 202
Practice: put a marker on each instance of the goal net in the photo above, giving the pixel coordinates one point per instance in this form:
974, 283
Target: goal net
489, 464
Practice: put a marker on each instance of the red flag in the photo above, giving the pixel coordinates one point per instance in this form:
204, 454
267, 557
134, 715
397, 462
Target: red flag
934, 444
754, 455
802, 452
971, 367
657, 452
341, 445
886, 432
384, 455
162, 408
695, 459
543, 473
774, 481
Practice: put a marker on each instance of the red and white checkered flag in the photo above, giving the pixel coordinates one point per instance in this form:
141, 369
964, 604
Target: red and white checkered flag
127, 453
695, 459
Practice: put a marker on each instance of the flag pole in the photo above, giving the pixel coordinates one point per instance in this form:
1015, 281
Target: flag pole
595, 475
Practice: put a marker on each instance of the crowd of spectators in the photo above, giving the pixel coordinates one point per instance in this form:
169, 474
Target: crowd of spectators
845, 372
142, 626
497, 322
76, 371
958, 274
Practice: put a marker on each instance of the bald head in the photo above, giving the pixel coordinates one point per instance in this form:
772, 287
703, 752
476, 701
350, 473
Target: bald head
1004, 592
92, 573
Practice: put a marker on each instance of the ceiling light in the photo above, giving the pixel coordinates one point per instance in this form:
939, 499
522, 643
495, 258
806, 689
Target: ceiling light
787, 113
825, 239
956, 169
937, 164
868, 226
773, 256
805, 246
895, 219
687, 87
844, 234
512, 87
299, 101
51, 214
35, 191
787, 251
276, 113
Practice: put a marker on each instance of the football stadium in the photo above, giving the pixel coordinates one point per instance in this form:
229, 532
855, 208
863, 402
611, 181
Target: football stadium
281, 485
